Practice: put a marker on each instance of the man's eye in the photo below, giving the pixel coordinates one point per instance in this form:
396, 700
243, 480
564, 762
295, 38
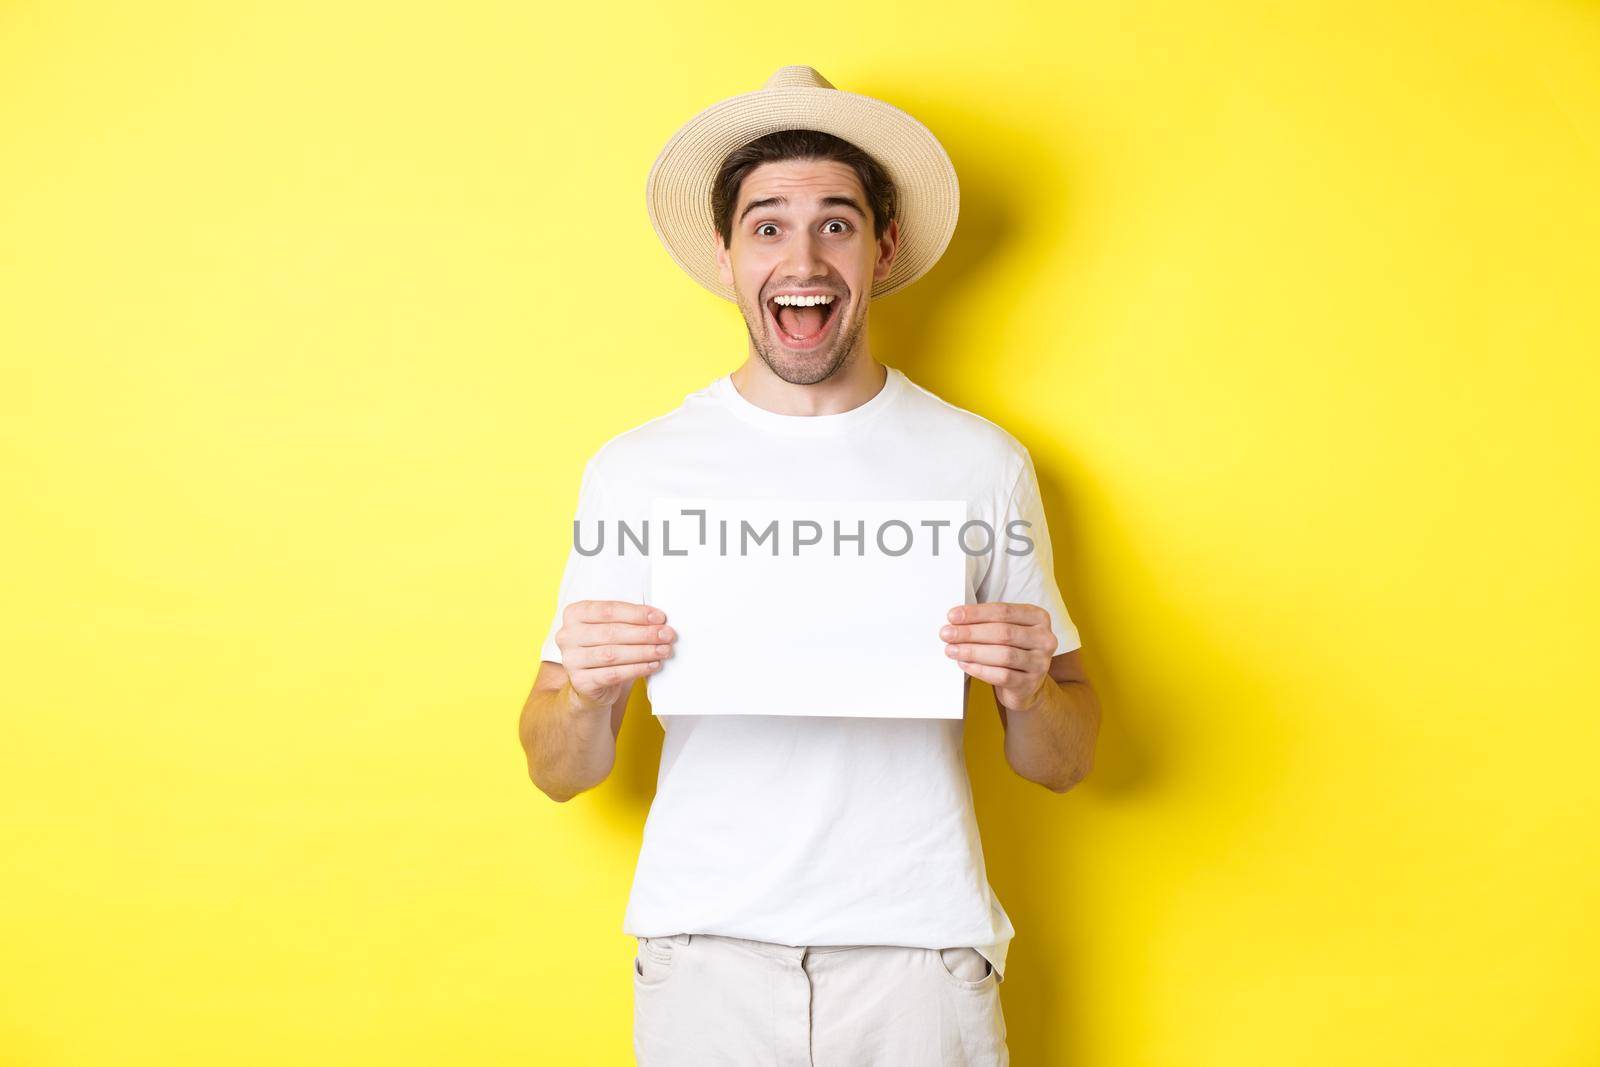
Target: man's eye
830, 222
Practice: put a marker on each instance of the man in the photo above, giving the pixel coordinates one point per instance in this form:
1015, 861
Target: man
811, 889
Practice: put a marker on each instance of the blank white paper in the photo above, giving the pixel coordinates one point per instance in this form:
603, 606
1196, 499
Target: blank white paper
806, 631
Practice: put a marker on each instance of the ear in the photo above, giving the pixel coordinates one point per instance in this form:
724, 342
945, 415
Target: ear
888, 245
724, 265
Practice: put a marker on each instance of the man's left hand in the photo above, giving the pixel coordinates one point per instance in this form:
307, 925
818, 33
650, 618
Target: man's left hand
1010, 646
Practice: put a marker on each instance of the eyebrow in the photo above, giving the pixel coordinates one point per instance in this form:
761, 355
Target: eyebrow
827, 201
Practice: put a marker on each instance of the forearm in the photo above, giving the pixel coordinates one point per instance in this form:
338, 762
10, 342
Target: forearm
569, 748
1053, 741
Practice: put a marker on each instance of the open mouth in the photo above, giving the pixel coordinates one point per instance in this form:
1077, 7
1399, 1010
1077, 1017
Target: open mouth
803, 327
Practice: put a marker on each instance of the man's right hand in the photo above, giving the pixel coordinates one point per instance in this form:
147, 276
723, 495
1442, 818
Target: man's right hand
606, 644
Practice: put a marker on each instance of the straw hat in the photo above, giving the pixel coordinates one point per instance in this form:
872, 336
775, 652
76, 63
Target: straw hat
678, 190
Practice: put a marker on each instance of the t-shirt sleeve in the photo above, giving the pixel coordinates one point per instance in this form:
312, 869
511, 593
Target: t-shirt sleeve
1029, 576
598, 571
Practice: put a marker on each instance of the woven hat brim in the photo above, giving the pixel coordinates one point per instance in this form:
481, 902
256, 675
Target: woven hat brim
678, 188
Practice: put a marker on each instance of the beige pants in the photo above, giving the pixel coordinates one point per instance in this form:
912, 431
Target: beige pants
710, 1001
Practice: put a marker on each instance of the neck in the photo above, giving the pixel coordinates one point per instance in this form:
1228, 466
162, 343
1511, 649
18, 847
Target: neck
849, 387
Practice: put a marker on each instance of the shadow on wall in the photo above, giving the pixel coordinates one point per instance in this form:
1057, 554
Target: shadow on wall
1154, 746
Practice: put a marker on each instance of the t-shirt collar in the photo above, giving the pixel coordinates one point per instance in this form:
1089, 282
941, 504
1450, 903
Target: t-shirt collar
729, 396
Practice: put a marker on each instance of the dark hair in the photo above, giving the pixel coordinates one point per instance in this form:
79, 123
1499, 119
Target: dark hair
782, 145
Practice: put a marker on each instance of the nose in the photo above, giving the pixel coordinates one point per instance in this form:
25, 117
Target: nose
800, 259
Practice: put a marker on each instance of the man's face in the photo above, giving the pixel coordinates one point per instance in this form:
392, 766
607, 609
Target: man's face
803, 226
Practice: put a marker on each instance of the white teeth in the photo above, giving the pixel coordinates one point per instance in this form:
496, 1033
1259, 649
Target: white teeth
802, 301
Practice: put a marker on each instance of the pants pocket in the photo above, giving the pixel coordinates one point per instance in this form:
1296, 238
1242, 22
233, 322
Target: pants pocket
966, 966
653, 963
973, 991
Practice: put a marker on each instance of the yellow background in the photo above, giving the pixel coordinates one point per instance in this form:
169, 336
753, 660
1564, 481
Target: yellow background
310, 315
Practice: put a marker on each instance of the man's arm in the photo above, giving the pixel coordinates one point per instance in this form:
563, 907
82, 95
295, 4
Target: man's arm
1053, 742
1049, 711
570, 721
568, 745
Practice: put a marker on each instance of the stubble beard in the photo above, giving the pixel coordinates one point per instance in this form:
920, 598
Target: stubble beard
806, 368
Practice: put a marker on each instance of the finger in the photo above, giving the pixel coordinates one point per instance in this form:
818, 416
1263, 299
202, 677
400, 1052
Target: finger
612, 611
1016, 659
586, 658
999, 677
606, 677
580, 634
999, 611
1000, 633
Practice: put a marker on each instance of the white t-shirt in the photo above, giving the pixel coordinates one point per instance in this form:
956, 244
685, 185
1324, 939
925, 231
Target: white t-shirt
816, 830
